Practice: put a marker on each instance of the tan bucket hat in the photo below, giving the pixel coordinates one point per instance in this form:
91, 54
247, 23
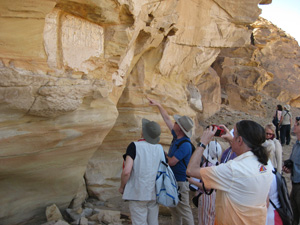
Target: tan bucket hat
151, 131
185, 123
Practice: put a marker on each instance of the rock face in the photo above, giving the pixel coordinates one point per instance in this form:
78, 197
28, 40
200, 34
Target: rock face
270, 66
74, 77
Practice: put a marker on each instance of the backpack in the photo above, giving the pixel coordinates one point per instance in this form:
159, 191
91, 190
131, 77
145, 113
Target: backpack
285, 211
186, 140
193, 148
166, 185
275, 120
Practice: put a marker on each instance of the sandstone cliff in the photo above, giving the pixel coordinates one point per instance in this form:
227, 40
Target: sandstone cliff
75, 76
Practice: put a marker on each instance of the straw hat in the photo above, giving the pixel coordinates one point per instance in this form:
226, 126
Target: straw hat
151, 131
185, 123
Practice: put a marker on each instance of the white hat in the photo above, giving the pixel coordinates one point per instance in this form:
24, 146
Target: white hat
185, 123
215, 151
287, 107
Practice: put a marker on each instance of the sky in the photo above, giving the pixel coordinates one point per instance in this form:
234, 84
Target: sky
285, 14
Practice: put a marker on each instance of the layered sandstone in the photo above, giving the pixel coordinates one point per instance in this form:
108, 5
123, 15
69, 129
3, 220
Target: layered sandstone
75, 77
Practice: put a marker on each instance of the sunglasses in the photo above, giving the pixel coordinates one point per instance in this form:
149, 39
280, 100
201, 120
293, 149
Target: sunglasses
298, 118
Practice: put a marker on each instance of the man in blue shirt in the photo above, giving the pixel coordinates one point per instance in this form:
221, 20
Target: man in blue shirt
178, 158
295, 170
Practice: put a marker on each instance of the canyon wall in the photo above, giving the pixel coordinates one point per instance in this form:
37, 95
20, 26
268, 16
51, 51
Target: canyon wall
75, 77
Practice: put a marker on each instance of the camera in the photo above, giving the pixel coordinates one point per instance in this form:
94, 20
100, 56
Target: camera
220, 131
288, 164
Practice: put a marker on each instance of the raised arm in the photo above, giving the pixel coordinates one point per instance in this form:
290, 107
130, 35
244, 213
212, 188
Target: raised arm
163, 113
193, 168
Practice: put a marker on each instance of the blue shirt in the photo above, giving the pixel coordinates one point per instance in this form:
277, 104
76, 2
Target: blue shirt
295, 157
184, 152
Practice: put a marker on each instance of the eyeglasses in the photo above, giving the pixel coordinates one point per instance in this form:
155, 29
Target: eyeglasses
269, 134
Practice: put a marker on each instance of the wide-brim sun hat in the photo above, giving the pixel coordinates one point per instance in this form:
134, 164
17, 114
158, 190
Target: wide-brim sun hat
151, 131
287, 107
186, 124
214, 153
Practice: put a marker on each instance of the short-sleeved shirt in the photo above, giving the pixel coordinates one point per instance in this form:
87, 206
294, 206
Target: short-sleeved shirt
183, 154
130, 151
279, 114
242, 186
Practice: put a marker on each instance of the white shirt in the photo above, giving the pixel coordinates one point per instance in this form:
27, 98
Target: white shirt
242, 188
273, 196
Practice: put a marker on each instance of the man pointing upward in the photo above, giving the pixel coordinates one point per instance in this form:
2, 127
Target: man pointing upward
178, 158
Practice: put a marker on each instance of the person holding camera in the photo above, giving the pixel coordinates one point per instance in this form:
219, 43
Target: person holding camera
178, 157
206, 198
293, 166
243, 183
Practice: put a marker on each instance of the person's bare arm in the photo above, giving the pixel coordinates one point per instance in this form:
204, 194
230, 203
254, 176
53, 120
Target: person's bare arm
172, 161
126, 173
163, 113
227, 135
193, 168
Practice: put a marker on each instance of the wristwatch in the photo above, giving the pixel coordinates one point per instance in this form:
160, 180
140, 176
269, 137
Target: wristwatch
200, 144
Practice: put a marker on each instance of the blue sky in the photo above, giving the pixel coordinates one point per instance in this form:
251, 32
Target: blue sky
285, 14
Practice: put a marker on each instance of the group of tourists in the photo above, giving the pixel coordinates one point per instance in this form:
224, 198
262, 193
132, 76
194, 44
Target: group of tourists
232, 191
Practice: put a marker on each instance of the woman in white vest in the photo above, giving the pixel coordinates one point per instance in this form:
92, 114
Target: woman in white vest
141, 163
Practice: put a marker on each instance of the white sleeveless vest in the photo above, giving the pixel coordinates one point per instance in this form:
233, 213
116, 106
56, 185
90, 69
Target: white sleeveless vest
141, 184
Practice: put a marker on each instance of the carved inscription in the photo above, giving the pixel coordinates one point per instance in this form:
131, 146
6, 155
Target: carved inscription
80, 40
70, 42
